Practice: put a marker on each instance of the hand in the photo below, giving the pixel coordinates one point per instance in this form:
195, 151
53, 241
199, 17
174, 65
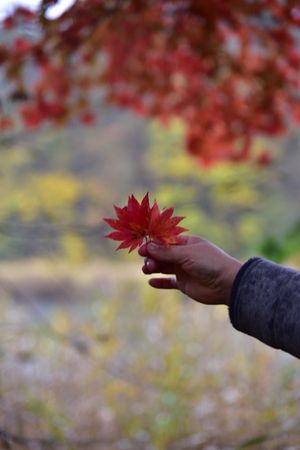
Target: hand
202, 271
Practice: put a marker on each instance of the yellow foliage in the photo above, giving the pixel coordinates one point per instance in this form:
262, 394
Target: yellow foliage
73, 247
50, 195
61, 323
170, 309
167, 155
24, 204
55, 193
249, 227
234, 185
149, 299
12, 160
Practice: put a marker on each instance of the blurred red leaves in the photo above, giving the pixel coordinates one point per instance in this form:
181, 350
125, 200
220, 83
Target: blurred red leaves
21, 46
137, 222
20, 14
87, 118
6, 123
229, 69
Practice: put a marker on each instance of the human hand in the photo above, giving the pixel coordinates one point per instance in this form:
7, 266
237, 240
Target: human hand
202, 271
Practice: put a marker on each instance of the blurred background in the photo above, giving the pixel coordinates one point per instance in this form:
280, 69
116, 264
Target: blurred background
90, 355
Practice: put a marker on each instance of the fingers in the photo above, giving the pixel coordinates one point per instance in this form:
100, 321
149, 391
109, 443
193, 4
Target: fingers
143, 250
166, 258
182, 240
166, 253
189, 240
151, 266
163, 283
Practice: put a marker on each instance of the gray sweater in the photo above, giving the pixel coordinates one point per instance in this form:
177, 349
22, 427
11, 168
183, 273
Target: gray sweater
265, 303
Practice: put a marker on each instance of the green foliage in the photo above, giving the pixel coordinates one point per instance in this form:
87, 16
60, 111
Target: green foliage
253, 442
47, 413
282, 248
272, 249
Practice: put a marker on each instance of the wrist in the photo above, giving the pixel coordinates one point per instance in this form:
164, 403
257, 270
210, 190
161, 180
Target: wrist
230, 275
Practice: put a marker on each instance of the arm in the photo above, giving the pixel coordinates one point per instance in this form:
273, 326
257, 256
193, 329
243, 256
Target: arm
265, 303
263, 297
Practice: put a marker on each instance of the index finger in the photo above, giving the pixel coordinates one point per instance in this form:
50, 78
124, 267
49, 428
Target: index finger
182, 240
143, 250
188, 240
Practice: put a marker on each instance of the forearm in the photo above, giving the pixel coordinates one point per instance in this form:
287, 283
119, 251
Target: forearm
265, 303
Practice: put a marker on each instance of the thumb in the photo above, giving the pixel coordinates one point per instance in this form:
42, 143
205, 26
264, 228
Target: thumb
166, 253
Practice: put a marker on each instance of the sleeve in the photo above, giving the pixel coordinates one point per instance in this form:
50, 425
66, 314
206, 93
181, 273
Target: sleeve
265, 303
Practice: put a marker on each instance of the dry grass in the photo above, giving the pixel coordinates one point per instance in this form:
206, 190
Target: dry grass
127, 367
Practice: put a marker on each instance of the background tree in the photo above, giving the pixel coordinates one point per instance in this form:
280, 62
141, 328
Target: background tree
228, 69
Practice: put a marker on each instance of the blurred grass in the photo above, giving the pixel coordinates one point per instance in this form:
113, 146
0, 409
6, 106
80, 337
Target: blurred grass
134, 368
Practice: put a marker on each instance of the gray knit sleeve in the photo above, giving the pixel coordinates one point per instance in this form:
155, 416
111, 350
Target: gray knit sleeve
265, 303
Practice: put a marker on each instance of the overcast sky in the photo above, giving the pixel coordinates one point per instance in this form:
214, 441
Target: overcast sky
6, 6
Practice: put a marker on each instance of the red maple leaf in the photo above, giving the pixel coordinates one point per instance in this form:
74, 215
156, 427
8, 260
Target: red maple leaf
137, 222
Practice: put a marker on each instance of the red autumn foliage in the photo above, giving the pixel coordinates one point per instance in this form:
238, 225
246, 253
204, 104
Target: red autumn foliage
21, 46
137, 222
87, 118
229, 69
264, 158
6, 123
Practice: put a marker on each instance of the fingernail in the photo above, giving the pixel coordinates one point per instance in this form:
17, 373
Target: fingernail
146, 262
